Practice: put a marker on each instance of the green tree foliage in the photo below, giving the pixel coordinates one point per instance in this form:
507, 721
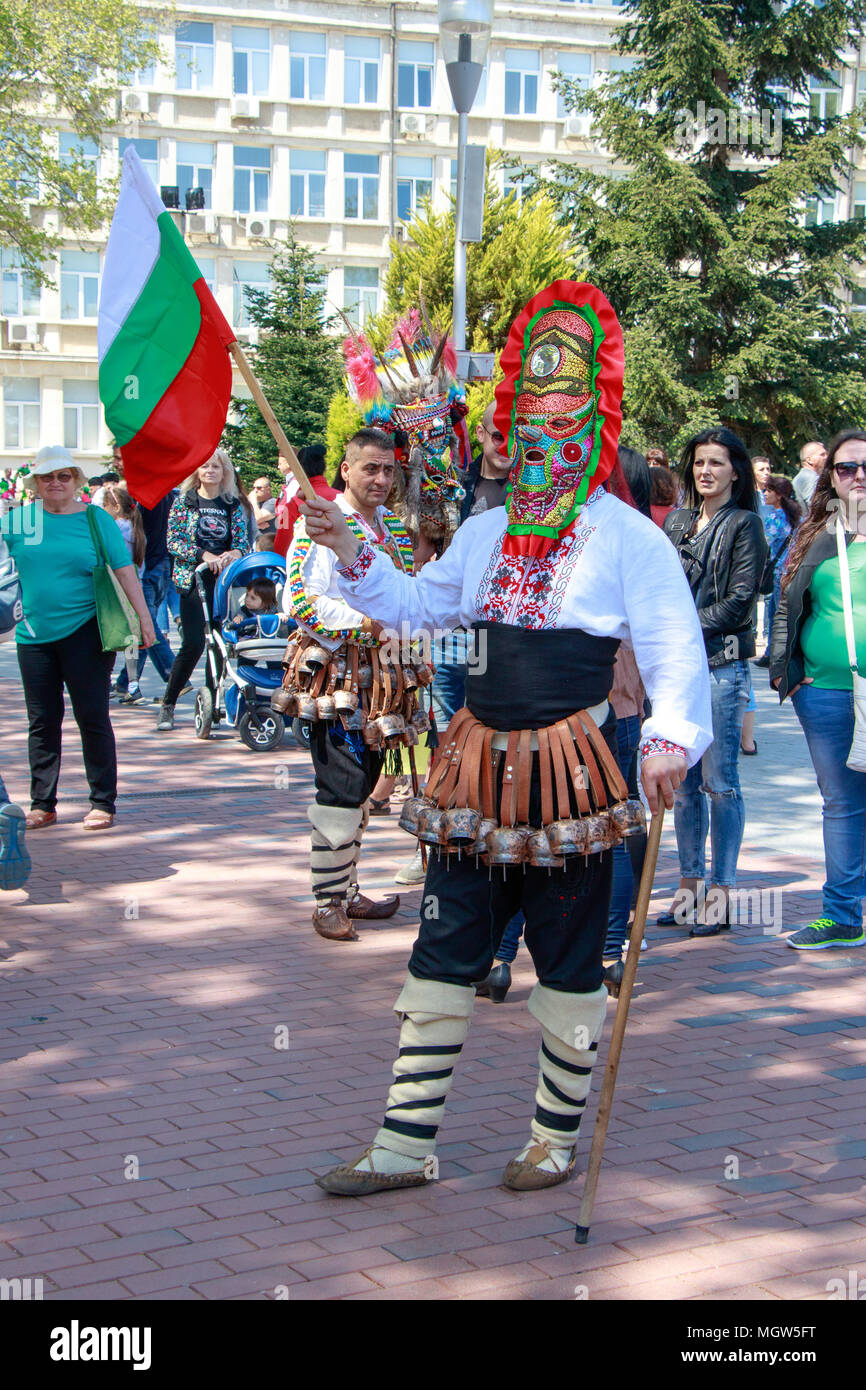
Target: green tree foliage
522, 250
734, 307
296, 362
69, 57
344, 420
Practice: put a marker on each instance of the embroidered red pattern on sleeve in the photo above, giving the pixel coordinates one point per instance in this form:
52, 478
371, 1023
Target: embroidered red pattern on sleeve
359, 566
653, 746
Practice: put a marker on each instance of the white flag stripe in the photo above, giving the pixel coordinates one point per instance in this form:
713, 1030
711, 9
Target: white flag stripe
132, 251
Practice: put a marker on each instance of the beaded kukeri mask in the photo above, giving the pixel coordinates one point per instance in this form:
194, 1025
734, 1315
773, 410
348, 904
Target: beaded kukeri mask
559, 408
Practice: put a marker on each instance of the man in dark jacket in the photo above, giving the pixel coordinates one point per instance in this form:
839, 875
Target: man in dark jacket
486, 479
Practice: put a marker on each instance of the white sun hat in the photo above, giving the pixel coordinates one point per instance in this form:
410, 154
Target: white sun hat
53, 457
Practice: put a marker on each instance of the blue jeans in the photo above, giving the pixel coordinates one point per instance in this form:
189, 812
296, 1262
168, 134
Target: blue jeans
4, 795
716, 779
170, 606
628, 855
449, 690
155, 583
827, 717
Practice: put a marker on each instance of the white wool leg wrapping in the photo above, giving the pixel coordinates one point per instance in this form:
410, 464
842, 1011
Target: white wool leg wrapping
335, 843
353, 872
435, 1025
565, 1070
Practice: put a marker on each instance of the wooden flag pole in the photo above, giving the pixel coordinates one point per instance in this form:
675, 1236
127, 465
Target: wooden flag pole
272, 422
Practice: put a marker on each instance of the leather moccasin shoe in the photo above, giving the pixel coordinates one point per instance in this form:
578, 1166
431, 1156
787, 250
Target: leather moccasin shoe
367, 910
330, 921
344, 1181
524, 1174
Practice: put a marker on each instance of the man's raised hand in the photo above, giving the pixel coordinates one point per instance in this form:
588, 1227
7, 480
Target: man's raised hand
326, 525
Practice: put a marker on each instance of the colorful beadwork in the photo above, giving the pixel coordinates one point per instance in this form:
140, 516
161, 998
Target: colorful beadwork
654, 746
304, 607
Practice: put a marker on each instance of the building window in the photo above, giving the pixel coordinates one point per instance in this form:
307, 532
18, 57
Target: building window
521, 82
577, 67
307, 67
78, 149
81, 416
148, 153
251, 59
79, 284
414, 184
515, 184
858, 298
360, 293
361, 174
824, 97
252, 274
859, 209
20, 292
361, 71
415, 73
307, 183
144, 77
820, 211
194, 56
21, 413
252, 179
206, 266
195, 170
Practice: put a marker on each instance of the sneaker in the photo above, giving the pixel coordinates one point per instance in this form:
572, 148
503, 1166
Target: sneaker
14, 859
413, 872
132, 696
166, 717
823, 933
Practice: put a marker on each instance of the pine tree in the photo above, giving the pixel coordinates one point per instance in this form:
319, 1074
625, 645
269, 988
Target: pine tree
296, 362
734, 307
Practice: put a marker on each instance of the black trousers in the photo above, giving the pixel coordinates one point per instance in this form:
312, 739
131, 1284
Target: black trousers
466, 906
79, 663
192, 646
341, 779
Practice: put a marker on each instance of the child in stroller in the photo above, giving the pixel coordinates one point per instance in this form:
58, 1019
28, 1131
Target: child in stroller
245, 639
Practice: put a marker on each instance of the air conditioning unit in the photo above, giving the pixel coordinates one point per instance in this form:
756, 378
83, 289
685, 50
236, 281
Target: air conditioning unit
204, 223
22, 331
245, 108
136, 103
577, 127
400, 232
249, 335
258, 228
413, 126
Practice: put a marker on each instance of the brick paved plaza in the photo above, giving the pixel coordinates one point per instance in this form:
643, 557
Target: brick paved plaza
157, 1142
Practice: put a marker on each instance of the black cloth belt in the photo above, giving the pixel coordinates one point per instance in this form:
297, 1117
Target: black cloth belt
528, 678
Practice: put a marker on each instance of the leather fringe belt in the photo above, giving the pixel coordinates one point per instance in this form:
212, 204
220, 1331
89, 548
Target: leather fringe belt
355, 685
464, 810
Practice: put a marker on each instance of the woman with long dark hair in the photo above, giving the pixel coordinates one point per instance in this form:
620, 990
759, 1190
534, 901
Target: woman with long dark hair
720, 539
809, 661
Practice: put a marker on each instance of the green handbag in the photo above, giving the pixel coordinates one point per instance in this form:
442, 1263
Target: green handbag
119, 625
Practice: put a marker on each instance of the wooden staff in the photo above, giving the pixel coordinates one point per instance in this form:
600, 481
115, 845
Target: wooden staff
605, 1105
272, 422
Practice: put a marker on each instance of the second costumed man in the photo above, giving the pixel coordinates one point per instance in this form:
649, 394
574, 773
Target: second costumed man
526, 778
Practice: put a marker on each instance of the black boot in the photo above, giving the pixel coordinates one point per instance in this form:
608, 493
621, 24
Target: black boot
497, 984
612, 978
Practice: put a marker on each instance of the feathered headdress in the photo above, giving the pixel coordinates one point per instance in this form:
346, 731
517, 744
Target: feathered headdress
411, 390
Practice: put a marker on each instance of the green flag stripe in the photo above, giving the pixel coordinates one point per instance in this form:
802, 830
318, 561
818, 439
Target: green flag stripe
155, 340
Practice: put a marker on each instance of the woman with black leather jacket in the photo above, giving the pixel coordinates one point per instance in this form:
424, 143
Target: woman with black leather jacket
809, 661
720, 539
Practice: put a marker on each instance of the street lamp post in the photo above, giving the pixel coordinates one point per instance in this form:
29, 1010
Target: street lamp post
464, 28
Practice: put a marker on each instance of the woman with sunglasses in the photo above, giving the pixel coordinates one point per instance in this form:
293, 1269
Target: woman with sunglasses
720, 539
58, 639
809, 661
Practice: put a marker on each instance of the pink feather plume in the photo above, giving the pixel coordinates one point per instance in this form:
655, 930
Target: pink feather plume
361, 369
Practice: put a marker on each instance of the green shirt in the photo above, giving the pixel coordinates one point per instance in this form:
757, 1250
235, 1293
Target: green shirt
823, 637
56, 557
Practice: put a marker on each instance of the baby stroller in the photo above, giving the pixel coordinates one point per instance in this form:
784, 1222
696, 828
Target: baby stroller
252, 666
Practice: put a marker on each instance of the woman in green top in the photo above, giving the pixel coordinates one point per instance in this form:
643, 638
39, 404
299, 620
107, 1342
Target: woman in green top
809, 662
58, 640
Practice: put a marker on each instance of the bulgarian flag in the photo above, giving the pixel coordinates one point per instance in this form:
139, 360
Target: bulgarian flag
164, 369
